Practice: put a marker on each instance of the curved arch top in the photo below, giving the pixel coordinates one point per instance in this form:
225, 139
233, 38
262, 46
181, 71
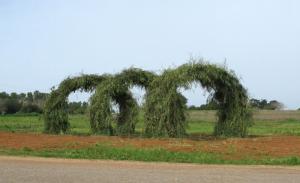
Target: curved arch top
164, 109
55, 110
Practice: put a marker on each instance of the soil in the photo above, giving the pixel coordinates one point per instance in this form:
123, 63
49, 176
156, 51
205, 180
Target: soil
231, 148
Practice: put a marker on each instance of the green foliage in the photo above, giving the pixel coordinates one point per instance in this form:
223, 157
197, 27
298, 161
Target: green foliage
116, 91
264, 104
106, 151
77, 107
22, 103
165, 112
165, 107
210, 105
56, 107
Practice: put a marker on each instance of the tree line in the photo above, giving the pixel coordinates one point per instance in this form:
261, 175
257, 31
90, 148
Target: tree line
261, 104
32, 103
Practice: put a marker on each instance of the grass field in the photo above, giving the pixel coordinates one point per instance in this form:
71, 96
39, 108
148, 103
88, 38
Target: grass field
267, 143
200, 122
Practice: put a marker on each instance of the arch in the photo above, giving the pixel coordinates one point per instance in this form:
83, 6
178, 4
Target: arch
164, 107
55, 110
116, 90
164, 110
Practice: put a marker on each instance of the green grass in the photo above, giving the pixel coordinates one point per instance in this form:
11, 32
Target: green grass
102, 151
281, 127
198, 125
80, 125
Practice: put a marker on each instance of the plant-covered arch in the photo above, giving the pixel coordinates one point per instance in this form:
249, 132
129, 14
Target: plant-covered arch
56, 106
165, 106
116, 90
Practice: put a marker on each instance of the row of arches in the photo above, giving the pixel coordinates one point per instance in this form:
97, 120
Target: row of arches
164, 108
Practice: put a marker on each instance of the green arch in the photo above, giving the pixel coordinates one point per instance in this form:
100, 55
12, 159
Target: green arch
55, 110
116, 90
165, 107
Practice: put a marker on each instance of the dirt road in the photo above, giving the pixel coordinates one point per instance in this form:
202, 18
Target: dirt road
36, 170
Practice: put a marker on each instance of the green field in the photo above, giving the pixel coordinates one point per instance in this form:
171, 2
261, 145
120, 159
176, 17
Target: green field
200, 122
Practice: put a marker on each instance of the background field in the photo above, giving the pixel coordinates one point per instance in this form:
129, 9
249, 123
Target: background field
200, 123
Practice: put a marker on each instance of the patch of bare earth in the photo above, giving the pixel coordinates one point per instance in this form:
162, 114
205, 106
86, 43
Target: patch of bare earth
234, 148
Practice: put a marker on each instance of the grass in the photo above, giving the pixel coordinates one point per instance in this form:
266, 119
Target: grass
104, 151
200, 123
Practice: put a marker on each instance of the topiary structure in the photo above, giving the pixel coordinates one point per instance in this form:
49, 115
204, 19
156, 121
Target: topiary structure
55, 110
116, 90
165, 107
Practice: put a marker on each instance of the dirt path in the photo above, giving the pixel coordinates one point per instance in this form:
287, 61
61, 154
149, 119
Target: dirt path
275, 146
36, 170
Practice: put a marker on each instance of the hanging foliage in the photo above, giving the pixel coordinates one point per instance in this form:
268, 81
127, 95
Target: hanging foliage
55, 110
116, 90
165, 107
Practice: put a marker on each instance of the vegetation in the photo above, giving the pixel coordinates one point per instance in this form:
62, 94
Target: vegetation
116, 90
56, 107
210, 105
263, 104
164, 106
200, 123
105, 151
22, 103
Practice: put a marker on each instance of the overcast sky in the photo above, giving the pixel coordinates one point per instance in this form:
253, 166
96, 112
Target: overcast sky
44, 41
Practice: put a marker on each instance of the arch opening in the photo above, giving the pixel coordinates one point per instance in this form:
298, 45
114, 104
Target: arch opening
117, 90
165, 109
56, 119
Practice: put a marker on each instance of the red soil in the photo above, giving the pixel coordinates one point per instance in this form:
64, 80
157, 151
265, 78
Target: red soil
275, 146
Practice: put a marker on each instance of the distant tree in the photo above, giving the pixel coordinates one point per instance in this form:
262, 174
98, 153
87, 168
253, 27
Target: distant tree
275, 105
4, 95
30, 108
29, 97
25, 103
193, 107
77, 107
264, 104
12, 106
210, 105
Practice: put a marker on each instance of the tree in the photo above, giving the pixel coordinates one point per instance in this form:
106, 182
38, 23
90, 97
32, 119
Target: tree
29, 97
12, 106
264, 104
275, 105
26, 103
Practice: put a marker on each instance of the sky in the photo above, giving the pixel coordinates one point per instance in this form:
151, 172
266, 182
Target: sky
44, 41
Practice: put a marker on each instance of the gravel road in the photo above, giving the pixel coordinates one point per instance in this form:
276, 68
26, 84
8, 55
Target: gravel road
38, 170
